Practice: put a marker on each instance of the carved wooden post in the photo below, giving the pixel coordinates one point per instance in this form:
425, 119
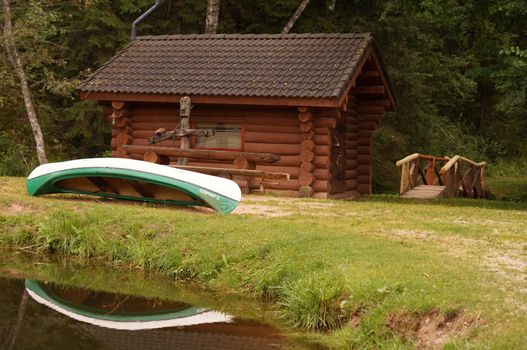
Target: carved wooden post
414, 172
430, 174
405, 178
469, 182
453, 180
459, 178
184, 113
449, 182
482, 182
183, 131
475, 183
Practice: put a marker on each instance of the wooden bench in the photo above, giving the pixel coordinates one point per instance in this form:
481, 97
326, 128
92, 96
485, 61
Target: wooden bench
244, 172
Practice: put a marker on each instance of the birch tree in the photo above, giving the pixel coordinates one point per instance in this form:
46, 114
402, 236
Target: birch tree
295, 16
16, 63
213, 14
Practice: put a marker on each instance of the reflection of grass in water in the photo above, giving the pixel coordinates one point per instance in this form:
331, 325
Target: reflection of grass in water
64, 273
26, 325
112, 278
349, 265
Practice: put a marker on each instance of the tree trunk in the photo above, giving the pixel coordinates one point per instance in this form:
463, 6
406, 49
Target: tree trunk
13, 334
213, 14
14, 59
296, 16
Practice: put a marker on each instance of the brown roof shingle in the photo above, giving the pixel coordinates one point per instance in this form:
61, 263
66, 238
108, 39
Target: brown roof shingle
269, 65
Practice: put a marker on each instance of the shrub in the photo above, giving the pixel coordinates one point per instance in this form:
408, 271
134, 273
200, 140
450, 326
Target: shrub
314, 302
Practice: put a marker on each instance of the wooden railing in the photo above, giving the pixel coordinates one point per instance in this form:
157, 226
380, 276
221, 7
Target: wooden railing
420, 169
460, 176
465, 177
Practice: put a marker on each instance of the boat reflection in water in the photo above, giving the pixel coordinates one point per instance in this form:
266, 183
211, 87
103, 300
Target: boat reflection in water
129, 322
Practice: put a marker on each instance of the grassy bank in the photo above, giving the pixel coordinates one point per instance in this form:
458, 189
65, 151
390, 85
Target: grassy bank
364, 274
507, 180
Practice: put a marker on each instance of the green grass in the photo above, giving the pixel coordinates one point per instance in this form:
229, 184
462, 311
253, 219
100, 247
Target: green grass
508, 188
507, 180
340, 269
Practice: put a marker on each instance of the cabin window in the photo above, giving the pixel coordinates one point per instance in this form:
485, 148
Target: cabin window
228, 136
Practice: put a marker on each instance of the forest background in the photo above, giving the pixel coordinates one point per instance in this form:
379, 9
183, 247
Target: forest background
458, 69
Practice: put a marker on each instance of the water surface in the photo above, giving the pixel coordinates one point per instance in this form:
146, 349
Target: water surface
90, 319
47, 303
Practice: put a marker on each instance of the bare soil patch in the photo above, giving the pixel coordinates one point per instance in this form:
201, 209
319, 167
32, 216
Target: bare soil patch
279, 206
430, 330
15, 209
412, 234
261, 210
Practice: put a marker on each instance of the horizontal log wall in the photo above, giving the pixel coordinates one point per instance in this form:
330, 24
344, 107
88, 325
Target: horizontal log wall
301, 137
301, 145
274, 131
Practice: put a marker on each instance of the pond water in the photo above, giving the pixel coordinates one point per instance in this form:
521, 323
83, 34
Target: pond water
37, 312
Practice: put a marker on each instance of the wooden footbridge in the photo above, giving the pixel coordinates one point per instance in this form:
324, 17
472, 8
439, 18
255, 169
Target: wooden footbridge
425, 176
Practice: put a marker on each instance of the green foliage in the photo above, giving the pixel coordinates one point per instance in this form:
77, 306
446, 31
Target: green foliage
457, 68
15, 158
507, 180
315, 302
508, 189
272, 279
382, 257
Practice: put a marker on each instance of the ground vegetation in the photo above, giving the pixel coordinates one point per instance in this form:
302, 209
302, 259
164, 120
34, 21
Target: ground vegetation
376, 273
457, 68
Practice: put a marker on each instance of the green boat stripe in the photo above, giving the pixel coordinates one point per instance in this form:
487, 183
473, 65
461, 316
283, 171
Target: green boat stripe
35, 287
140, 172
46, 184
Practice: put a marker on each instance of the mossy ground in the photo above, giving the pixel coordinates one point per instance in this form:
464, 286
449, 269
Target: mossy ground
355, 273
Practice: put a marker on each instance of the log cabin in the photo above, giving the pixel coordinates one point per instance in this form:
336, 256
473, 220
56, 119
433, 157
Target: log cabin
311, 101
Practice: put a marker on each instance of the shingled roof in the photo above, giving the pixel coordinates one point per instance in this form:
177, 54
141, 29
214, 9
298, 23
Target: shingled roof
290, 66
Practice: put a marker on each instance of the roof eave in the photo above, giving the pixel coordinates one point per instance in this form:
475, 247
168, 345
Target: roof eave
330, 102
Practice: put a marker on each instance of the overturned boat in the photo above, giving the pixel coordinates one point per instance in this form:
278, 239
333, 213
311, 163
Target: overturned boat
135, 180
